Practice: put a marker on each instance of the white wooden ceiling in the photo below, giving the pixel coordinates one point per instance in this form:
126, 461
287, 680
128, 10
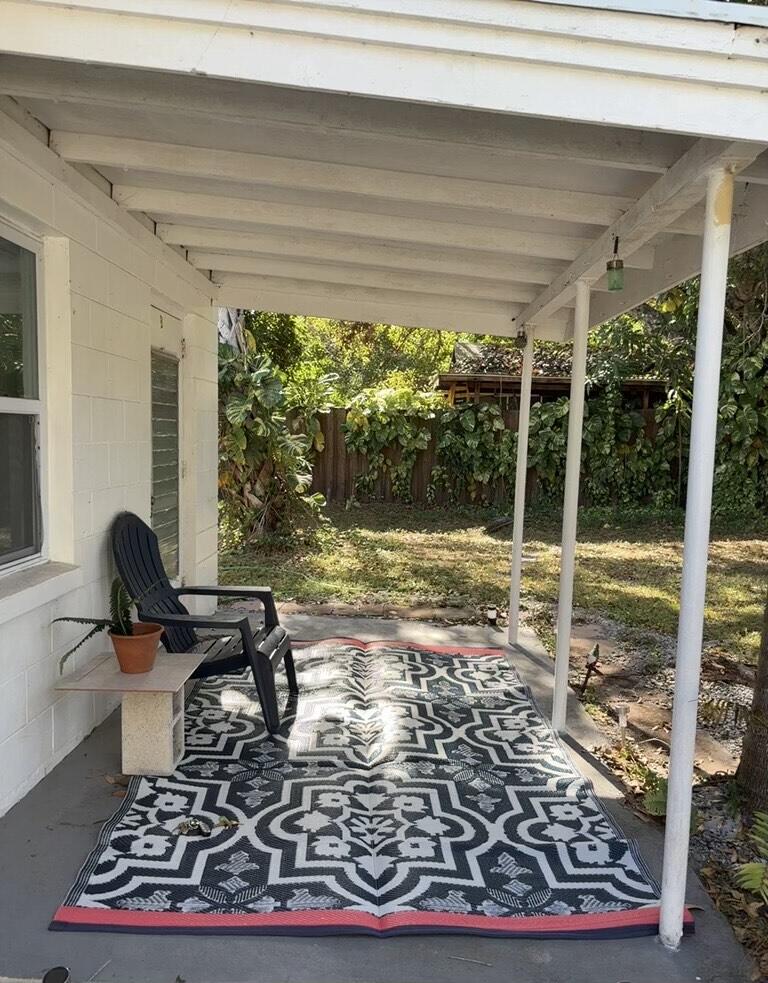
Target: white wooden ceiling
384, 209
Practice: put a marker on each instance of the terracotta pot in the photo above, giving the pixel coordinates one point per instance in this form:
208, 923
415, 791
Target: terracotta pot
137, 652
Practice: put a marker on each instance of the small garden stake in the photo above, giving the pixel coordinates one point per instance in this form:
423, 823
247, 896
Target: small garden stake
592, 660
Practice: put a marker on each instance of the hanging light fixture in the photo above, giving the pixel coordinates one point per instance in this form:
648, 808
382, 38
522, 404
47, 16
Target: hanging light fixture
615, 268
520, 339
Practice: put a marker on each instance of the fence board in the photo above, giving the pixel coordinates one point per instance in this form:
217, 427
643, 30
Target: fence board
337, 467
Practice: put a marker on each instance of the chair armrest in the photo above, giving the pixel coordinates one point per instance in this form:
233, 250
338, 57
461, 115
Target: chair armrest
227, 591
263, 594
198, 621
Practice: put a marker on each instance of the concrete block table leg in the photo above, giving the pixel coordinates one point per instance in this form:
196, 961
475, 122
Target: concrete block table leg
150, 746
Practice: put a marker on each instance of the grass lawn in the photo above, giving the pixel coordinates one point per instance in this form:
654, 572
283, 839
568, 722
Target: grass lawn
628, 571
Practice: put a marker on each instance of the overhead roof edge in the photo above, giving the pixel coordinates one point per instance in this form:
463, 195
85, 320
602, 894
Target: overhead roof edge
738, 14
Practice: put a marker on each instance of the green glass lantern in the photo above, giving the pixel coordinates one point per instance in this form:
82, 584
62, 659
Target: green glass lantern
615, 268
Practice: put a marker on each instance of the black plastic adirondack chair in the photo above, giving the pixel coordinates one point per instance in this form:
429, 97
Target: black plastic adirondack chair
236, 644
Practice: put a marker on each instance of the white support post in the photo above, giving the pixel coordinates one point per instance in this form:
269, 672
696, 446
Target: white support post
521, 473
709, 340
571, 505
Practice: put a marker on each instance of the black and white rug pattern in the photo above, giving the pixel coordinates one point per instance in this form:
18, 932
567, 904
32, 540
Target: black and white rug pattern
409, 790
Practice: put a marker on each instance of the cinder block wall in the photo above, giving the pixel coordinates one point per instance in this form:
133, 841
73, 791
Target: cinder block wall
109, 274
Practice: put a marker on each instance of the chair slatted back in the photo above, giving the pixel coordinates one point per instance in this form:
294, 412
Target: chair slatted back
138, 561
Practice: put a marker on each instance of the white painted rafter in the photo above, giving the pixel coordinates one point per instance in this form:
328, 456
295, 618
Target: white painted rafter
161, 204
305, 246
455, 286
671, 196
311, 175
346, 129
352, 303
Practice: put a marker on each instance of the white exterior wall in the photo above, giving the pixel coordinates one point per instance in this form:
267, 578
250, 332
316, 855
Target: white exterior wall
103, 274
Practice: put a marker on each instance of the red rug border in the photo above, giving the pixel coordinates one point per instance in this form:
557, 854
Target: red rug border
107, 918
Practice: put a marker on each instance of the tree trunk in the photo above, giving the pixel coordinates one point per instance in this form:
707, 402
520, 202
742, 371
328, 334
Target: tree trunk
753, 770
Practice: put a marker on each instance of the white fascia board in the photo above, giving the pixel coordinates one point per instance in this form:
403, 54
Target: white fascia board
706, 10
683, 76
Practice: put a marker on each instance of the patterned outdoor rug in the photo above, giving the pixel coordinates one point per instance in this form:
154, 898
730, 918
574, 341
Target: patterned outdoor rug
411, 790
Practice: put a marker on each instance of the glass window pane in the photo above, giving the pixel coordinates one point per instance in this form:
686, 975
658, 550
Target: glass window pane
18, 322
20, 525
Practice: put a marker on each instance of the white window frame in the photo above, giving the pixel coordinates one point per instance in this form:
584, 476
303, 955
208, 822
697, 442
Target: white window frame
32, 407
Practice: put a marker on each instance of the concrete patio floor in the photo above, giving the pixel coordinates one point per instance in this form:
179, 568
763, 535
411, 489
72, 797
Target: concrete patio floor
45, 838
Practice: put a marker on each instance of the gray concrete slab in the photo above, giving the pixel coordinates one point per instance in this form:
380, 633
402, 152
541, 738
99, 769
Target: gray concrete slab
45, 838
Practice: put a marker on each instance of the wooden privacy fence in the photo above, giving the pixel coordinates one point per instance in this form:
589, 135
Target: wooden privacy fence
336, 467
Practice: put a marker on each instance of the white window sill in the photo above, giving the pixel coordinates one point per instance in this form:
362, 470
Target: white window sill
28, 589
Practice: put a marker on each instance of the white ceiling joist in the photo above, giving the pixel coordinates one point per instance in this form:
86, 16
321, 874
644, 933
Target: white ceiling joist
351, 303
358, 128
588, 66
310, 175
309, 246
455, 286
161, 204
672, 195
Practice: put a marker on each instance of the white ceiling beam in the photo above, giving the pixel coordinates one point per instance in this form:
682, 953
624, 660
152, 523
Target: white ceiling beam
385, 295
308, 246
523, 58
311, 175
671, 196
363, 304
161, 204
361, 276
678, 259
343, 128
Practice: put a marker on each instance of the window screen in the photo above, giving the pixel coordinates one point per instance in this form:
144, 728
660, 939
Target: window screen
165, 458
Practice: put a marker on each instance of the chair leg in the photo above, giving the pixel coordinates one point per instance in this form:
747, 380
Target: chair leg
290, 672
264, 677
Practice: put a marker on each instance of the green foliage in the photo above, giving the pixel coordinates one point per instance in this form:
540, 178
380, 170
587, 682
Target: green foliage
366, 356
630, 458
655, 795
274, 336
393, 420
264, 470
119, 621
547, 442
305, 400
475, 450
754, 876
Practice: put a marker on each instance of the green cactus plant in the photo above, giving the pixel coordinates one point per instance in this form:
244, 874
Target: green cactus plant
119, 621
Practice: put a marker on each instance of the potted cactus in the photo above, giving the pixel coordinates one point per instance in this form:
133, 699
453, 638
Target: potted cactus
135, 643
